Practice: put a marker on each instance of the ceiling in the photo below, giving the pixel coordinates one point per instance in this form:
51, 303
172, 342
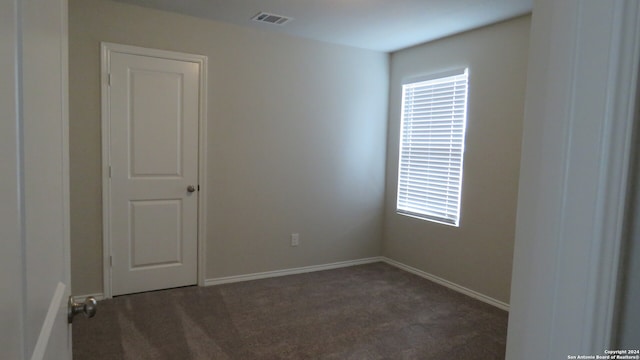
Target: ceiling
382, 25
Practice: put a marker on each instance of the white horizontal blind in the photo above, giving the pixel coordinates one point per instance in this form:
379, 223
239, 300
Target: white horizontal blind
434, 115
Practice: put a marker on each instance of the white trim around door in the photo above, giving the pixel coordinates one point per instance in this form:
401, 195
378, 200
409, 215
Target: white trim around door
106, 50
580, 116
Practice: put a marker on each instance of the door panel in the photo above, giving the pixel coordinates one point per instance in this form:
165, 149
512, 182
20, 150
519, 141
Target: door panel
154, 109
155, 104
156, 238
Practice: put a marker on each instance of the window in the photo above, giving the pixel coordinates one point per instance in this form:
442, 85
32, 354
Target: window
434, 112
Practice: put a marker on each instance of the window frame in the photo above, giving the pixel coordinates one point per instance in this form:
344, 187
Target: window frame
423, 212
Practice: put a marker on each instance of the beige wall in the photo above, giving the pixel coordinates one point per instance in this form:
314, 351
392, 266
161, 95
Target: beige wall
477, 255
296, 131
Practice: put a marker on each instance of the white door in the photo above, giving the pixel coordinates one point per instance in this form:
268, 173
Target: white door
34, 193
153, 112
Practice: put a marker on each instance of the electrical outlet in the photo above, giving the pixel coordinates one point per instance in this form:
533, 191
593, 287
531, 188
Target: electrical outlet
295, 239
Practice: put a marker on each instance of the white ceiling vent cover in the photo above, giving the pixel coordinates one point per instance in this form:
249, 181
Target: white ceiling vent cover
268, 18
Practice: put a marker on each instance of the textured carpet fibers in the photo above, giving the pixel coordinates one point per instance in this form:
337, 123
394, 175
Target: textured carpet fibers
372, 311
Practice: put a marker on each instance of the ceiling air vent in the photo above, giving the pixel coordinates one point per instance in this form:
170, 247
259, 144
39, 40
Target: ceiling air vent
268, 18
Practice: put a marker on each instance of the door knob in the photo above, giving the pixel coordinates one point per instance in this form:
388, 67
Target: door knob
88, 308
191, 188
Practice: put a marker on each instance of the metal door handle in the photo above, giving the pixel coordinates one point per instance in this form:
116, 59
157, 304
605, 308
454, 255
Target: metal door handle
191, 188
88, 308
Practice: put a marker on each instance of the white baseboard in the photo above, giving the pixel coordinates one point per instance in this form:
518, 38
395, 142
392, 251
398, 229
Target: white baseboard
82, 298
453, 286
284, 272
306, 269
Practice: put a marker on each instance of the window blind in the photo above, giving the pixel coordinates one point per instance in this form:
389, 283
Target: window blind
432, 136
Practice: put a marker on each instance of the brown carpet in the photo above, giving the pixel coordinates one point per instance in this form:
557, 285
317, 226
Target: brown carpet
371, 311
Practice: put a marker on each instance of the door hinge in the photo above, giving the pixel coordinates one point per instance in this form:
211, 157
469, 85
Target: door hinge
109, 171
198, 187
109, 79
110, 261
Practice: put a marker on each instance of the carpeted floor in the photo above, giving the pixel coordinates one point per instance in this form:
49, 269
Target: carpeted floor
371, 311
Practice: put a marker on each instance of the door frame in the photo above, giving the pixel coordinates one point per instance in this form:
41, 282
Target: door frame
106, 50
35, 256
12, 276
580, 118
